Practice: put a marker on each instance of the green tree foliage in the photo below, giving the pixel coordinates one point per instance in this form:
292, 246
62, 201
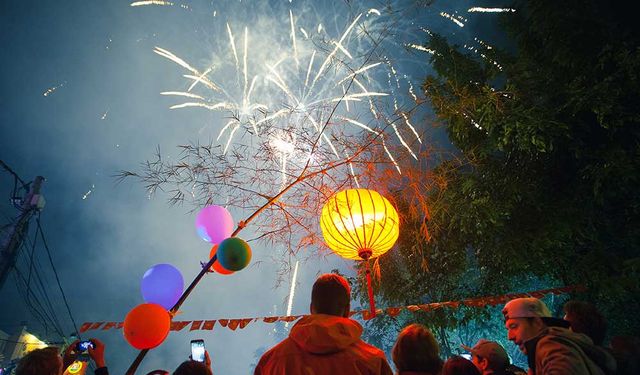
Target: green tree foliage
544, 187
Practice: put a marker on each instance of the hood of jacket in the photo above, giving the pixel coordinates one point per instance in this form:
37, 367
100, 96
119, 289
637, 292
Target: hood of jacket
601, 357
324, 334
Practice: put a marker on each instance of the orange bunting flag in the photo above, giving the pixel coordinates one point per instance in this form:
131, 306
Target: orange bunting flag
178, 326
289, 318
208, 325
85, 327
109, 326
96, 325
233, 324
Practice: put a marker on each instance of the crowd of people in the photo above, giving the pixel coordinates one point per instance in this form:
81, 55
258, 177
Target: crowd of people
328, 342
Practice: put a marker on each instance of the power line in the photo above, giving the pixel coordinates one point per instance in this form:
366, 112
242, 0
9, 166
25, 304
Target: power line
43, 291
36, 314
26, 295
45, 316
15, 200
55, 272
15, 175
44, 296
42, 312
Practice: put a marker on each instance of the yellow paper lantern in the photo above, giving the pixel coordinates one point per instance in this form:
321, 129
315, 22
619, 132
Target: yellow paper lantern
359, 224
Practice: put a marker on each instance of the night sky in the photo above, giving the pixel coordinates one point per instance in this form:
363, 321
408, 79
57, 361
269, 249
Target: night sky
104, 114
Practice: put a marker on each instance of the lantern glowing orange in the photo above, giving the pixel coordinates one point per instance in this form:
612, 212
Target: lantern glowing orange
360, 224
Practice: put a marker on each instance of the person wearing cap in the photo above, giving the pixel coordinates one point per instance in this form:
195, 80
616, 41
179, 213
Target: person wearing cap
490, 358
550, 347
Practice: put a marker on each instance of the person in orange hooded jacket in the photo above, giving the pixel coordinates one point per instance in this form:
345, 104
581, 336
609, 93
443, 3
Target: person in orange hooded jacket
327, 341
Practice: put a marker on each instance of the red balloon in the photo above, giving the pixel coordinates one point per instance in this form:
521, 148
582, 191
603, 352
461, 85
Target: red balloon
146, 326
217, 267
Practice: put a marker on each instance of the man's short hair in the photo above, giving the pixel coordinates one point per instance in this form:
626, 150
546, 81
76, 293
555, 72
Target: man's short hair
45, 361
192, 368
416, 350
494, 353
331, 295
585, 318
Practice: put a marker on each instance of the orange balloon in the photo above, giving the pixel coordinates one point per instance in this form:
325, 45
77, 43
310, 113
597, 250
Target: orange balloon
146, 326
217, 267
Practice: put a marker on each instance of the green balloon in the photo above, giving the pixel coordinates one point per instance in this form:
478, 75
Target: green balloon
234, 254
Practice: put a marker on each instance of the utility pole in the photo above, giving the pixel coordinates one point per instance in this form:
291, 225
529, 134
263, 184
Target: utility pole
10, 246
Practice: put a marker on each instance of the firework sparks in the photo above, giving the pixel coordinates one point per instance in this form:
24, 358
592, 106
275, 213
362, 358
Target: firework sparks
310, 88
293, 39
151, 2
86, 195
453, 18
373, 11
242, 109
421, 48
51, 90
292, 291
490, 10
483, 55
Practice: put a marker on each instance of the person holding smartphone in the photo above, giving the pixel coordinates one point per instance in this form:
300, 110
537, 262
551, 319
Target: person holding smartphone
199, 362
95, 350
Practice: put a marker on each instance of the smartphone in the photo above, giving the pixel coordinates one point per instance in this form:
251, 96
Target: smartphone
197, 350
83, 346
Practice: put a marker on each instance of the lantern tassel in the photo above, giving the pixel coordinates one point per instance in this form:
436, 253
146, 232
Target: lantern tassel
372, 302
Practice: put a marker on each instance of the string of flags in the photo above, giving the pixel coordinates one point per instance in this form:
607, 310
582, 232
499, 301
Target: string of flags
233, 324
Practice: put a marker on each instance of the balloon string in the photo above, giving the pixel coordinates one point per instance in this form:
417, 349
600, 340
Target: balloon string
372, 302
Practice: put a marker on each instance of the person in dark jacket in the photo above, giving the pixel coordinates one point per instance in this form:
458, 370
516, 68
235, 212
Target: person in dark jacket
416, 352
457, 365
585, 318
552, 348
327, 341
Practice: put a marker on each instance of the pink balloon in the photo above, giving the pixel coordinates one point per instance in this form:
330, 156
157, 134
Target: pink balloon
214, 224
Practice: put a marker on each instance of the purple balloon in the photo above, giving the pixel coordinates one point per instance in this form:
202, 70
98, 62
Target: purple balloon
162, 284
214, 224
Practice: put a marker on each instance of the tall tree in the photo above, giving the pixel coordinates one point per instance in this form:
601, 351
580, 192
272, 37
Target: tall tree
544, 184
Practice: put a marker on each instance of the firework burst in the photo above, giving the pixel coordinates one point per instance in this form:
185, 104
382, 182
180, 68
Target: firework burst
314, 79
